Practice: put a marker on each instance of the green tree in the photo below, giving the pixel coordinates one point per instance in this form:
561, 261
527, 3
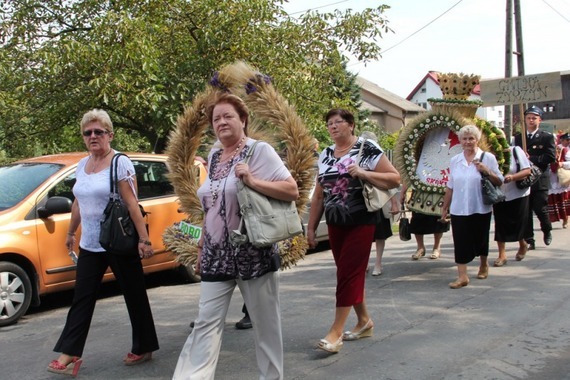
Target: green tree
143, 60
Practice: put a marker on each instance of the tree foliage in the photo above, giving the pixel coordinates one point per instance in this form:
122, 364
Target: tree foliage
142, 60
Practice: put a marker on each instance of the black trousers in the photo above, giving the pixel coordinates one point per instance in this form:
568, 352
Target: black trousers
128, 271
538, 201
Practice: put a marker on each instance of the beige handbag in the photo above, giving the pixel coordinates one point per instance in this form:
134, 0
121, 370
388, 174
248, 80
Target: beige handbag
374, 198
563, 174
265, 220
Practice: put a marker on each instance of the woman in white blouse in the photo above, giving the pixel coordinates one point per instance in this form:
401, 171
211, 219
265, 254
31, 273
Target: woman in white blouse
470, 217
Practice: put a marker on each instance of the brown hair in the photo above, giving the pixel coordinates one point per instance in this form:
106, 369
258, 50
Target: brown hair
233, 100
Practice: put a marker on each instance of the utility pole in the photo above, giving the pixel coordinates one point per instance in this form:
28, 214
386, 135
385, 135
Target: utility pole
519, 37
508, 65
520, 62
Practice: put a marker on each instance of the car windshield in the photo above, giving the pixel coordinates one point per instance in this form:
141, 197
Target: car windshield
17, 181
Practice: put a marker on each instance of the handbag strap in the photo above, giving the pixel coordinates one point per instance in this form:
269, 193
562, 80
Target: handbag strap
245, 161
250, 153
113, 176
482, 155
359, 158
517, 159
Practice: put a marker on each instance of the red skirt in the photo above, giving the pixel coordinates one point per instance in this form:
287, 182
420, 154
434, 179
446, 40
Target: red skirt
350, 246
559, 206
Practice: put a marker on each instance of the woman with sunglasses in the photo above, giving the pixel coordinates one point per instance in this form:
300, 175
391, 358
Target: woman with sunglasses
91, 192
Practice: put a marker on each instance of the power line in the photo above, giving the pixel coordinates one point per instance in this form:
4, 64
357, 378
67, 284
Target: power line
423, 27
555, 10
322, 6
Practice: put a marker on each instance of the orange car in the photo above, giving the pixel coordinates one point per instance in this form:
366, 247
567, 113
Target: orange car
35, 205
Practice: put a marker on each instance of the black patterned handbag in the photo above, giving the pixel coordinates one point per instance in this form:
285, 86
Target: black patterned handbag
531, 179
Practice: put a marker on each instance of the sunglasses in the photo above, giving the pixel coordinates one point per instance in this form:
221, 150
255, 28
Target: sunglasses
97, 132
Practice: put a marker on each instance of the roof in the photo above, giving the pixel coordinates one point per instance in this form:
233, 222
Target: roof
372, 108
74, 157
388, 96
434, 76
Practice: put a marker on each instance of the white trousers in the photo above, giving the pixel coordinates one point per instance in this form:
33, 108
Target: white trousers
200, 353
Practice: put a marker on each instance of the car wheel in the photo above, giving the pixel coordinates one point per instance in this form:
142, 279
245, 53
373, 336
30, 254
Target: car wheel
15, 293
189, 274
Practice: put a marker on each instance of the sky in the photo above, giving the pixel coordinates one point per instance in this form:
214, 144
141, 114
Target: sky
467, 36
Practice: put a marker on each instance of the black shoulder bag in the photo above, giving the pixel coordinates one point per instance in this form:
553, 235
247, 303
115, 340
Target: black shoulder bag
529, 180
118, 234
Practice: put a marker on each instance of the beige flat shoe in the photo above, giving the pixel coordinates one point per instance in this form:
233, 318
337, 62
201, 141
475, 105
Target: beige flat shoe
419, 254
500, 262
435, 254
458, 284
483, 273
521, 253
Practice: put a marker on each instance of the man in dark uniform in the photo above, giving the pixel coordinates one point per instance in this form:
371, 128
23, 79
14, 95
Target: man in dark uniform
541, 150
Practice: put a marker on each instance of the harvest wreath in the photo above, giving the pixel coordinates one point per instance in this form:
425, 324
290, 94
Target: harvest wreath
427, 195
272, 119
426, 144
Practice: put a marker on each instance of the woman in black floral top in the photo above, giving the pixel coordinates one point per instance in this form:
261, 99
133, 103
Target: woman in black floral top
338, 193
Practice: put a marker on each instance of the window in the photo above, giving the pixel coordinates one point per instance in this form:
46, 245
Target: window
64, 188
151, 179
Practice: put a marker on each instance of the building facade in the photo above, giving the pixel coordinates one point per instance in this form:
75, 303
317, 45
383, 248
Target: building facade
428, 88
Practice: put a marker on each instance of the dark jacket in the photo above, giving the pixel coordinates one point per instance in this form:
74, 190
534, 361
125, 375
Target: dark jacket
542, 151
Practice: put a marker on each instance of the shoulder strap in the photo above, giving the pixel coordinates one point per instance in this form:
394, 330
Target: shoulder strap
113, 173
250, 152
358, 158
517, 159
482, 156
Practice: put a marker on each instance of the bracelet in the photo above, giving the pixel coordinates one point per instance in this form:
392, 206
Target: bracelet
71, 234
145, 242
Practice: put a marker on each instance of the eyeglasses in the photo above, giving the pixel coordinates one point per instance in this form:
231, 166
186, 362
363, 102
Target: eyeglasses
335, 123
97, 132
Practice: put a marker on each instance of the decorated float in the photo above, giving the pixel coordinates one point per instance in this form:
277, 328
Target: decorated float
426, 144
272, 119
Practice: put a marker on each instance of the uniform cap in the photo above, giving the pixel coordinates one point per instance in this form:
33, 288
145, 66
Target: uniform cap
535, 110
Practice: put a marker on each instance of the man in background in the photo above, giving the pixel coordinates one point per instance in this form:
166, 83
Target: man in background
541, 150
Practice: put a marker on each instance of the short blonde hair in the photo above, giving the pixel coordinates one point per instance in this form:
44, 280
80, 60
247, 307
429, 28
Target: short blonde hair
469, 130
97, 115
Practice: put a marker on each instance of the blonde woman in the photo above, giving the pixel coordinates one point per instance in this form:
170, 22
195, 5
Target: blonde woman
463, 200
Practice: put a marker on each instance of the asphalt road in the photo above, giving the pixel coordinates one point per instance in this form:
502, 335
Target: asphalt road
514, 325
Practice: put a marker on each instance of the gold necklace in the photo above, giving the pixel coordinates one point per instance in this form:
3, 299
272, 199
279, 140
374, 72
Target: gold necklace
99, 162
344, 149
223, 172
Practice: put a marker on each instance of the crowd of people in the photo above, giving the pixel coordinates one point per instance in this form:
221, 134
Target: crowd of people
342, 169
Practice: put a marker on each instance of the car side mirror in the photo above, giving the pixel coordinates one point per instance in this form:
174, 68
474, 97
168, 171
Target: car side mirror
55, 205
